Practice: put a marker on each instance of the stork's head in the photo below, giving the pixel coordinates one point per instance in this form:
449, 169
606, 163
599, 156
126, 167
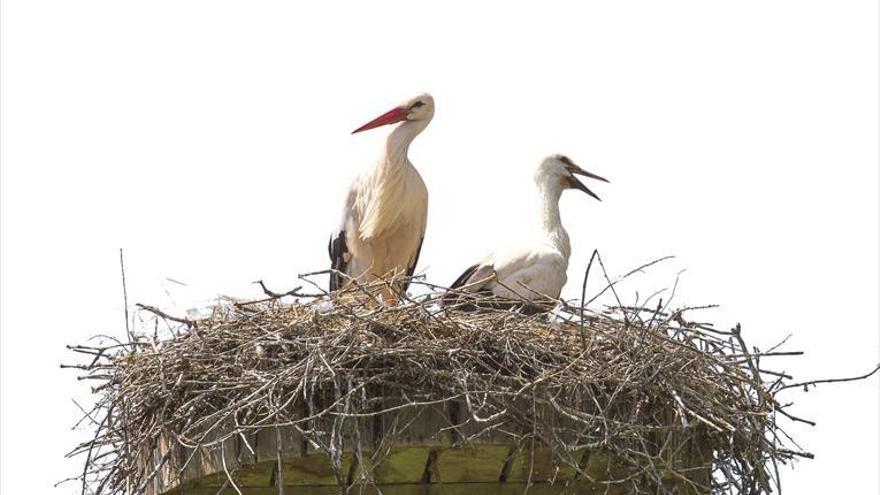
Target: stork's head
559, 171
417, 109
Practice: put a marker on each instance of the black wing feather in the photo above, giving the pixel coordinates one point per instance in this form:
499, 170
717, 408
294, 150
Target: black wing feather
412, 267
462, 279
337, 249
449, 298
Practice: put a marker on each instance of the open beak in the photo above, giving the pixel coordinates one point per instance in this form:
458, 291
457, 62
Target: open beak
577, 184
396, 114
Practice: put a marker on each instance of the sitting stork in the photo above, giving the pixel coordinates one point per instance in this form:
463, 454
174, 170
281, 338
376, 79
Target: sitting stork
536, 270
386, 208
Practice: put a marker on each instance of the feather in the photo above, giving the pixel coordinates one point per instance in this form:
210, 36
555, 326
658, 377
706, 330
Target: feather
475, 279
337, 248
411, 269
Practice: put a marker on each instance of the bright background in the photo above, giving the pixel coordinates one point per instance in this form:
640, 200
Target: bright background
210, 139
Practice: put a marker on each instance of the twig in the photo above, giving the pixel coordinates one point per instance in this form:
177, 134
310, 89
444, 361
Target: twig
584, 298
831, 380
124, 296
158, 312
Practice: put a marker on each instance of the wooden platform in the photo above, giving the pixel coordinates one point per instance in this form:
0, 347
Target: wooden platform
426, 457
419, 470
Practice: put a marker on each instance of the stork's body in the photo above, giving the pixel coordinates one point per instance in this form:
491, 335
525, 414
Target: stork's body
536, 269
386, 208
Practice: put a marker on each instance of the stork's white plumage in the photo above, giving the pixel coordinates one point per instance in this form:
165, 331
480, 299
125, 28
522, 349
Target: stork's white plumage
537, 267
386, 208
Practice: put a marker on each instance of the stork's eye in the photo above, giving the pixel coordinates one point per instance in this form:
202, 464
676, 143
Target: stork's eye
418, 104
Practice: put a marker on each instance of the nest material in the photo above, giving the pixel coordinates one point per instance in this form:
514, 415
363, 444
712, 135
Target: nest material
636, 384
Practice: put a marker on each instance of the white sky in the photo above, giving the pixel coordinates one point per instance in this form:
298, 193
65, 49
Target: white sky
211, 141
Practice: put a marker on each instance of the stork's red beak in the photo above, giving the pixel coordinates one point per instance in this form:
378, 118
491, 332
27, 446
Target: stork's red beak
396, 114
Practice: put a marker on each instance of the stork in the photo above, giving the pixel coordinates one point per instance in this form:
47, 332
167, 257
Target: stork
535, 270
386, 208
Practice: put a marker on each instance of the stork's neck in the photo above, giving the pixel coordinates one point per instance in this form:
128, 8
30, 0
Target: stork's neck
394, 155
548, 216
392, 194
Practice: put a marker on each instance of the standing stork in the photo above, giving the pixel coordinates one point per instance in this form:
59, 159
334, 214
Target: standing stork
536, 270
386, 208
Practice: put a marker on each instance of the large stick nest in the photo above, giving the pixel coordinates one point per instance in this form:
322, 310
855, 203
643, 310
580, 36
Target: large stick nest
635, 383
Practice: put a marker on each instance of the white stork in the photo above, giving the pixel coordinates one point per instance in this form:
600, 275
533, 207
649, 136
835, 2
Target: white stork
537, 268
386, 208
